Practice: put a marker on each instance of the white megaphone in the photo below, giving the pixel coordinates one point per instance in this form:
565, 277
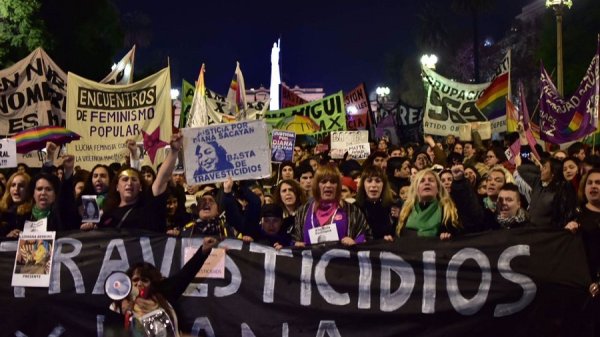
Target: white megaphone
117, 286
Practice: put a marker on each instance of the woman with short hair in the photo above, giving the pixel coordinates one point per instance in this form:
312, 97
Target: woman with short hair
328, 217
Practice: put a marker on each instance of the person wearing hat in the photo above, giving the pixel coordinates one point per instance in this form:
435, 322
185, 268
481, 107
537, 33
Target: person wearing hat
235, 219
348, 189
272, 232
208, 222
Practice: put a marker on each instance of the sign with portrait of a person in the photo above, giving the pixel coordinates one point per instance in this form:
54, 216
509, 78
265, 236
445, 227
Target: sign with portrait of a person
282, 145
91, 210
213, 153
34, 259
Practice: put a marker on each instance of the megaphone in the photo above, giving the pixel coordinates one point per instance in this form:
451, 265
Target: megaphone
117, 286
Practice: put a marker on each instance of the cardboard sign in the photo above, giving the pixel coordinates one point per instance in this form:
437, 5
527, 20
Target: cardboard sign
484, 129
34, 259
341, 141
213, 267
8, 153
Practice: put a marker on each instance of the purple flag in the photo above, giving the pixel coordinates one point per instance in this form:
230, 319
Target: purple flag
564, 120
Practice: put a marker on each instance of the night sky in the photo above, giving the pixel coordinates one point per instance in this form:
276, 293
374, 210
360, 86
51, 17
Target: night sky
326, 43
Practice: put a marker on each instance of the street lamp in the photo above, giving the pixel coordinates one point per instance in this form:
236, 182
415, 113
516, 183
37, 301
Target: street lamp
382, 94
559, 6
174, 93
429, 61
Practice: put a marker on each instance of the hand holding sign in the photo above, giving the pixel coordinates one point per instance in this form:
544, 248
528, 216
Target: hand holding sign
176, 142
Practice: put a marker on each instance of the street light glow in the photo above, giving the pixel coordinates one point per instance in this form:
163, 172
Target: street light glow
382, 91
174, 93
559, 3
429, 61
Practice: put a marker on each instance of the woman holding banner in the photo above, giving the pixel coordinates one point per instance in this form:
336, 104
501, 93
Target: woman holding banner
430, 211
328, 218
374, 198
588, 223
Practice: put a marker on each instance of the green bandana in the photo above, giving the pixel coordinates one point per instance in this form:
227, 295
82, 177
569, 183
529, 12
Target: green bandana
100, 199
39, 213
489, 204
426, 221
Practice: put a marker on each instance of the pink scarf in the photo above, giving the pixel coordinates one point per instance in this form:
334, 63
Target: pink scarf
325, 212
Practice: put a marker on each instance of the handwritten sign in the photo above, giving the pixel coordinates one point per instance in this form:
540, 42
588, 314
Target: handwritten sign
8, 153
341, 141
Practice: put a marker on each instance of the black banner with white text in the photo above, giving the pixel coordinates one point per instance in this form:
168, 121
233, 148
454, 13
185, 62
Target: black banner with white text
496, 283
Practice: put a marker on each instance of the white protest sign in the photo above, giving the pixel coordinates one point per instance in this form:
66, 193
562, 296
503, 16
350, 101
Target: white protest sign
35, 226
342, 140
33, 260
215, 152
484, 129
8, 153
359, 151
325, 233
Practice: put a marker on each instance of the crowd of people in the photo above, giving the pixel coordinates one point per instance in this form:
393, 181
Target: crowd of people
443, 189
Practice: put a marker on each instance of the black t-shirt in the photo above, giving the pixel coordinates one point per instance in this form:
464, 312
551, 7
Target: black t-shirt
149, 212
590, 233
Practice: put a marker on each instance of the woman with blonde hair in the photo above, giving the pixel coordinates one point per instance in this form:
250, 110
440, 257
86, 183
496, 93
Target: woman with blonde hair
497, 177
328, 217
430, 211
15, 205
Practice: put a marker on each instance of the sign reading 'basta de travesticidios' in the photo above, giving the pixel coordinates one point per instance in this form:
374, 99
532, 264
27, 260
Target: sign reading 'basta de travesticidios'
215, 152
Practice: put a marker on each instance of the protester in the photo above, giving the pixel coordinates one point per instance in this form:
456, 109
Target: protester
286, 170
151, 292
15, 205
588, 224
289, 195
346, 222
272, 230
553, 200
428, 210
304, 175
374, 198
348, 193
571, 171
131, 204
509, 211
97, 184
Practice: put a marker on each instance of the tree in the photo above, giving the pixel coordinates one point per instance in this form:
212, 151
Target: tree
137, 29
474, 8
21, 30
87, 35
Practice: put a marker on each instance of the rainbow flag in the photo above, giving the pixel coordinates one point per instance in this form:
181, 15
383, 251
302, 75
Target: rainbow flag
36, 137
198, 115
512, 116
492, 102
575, 122
236, 96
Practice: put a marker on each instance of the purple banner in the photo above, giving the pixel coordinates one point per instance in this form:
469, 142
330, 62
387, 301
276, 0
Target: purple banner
564, 120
